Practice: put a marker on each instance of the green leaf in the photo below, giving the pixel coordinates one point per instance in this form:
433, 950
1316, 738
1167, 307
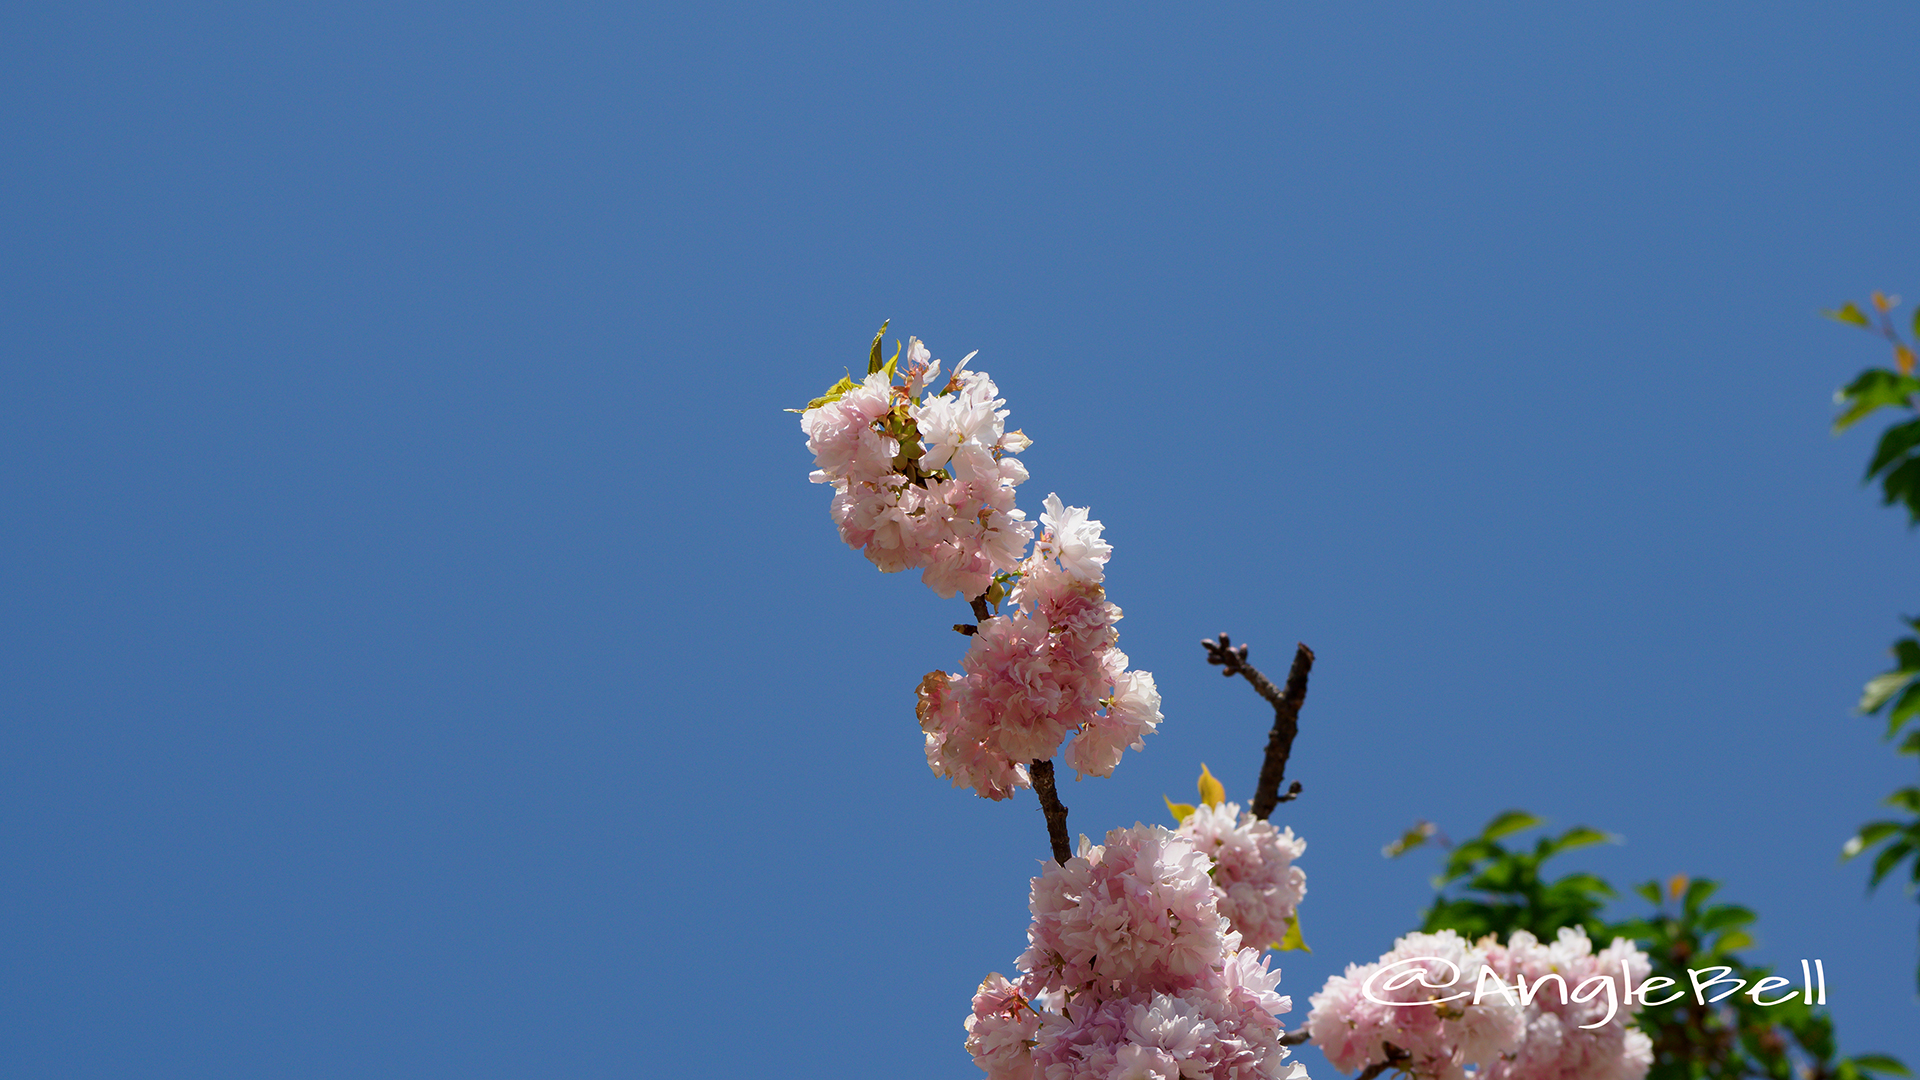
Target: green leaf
1870, 834
1906, 654
1895, 443
1881, 687
1180, 811
1731, 940
1581, 885
1512, 821
1849, 312
1902, 485
834, 393
1723, 916
1906, 799
1890, 857
1467, 855
1904, 709
1874, 388
1577, 837
873, 357
1912, 743
1650, 890
1415, 837
1212, 791
1881, 1063
1697, 893
1292, 940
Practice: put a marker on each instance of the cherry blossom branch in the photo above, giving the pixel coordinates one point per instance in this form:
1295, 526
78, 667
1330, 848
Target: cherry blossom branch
1056, 811
1040, 772
980, 611
1295, 1038
980, 614
1286, 716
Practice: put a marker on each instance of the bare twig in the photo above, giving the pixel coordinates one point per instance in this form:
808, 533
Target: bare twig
1056, 811
1295, 1038
1286, 716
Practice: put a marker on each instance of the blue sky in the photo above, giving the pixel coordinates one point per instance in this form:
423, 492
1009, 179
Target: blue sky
426, 657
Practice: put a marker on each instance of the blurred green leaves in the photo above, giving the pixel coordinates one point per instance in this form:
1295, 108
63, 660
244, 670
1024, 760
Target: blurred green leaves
1489, 887
1896, 464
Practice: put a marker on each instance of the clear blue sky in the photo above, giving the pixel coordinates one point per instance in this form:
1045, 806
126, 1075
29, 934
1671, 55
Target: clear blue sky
424, 655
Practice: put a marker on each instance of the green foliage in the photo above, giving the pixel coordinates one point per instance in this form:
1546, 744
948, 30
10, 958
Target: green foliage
1502, 890
1733, 1039
1896, 462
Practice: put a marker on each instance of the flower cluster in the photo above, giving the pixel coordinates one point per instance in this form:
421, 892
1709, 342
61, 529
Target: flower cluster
1045, 669
923, 478
1130, 973
1350, 1023
1443, 1003
923, 484
1258, 886
1557, 1044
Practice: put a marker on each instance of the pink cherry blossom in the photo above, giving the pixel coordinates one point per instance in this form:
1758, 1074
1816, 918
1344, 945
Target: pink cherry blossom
1259, 886
1131, 972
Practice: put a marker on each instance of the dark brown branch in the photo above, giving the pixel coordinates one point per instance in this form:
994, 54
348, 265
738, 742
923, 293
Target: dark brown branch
1295, 1038
1040, 772
1286, 716
1056, 811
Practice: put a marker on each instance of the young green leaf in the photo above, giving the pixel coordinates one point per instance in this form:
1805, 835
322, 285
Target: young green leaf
1732, 941
1292, 940
1180, 811
1512, 821
1212, 791
1850, 313
873, 356
1577, 837
1881, 687
1880, 1063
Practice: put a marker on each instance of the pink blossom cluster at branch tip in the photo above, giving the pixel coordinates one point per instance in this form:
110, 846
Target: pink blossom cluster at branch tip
1503, 1036
1131, 973
923, 478
951, 516
1046, 668
1556, 1044
1259, 887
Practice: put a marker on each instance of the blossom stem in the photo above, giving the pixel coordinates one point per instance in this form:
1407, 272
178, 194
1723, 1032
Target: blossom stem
1286, 716
1056, 811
